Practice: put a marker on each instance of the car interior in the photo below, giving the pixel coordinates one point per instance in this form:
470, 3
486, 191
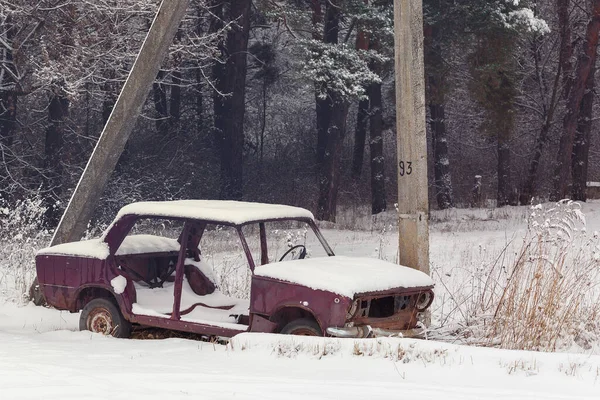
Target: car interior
151, 265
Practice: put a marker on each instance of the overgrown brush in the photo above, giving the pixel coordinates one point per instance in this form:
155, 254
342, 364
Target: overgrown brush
543, 296
551, 295
21, 236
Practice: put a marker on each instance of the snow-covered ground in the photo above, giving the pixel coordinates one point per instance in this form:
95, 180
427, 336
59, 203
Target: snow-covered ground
42, 355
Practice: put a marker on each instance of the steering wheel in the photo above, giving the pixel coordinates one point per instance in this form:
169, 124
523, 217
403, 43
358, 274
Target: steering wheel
298, 246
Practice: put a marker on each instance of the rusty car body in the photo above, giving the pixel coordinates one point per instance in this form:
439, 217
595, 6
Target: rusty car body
121, 279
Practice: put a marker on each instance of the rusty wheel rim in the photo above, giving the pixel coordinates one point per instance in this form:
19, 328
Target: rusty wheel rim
304, 332
100, 321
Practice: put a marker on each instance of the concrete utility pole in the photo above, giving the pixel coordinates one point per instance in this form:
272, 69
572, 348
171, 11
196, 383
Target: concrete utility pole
413, 201
118, 128
121, 122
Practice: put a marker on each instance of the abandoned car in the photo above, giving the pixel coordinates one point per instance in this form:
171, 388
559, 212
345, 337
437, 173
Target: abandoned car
161, 279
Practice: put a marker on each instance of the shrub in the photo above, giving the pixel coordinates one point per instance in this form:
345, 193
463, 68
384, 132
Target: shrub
21, 236
538, 294
550, 297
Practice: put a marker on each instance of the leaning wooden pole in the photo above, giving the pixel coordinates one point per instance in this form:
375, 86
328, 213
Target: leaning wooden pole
121, 122
413, 201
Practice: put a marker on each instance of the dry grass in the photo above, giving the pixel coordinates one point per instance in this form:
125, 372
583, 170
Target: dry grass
543, 295
551, 294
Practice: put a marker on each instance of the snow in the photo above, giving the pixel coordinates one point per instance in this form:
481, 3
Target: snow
44, 357
161, 299
118, 284
526, 17
217, 211
593, 184
139, 244
345, 276
96, 248
158, 302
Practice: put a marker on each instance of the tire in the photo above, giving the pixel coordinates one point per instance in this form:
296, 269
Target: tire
302, 327
103, 316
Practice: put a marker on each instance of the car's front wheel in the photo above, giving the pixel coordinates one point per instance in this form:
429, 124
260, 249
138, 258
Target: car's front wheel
103, 316
302, 327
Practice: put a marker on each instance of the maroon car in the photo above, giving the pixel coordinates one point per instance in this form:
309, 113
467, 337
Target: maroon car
148, 270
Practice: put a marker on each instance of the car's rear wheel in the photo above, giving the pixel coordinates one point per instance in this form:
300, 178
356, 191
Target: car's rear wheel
103, 316
302, 327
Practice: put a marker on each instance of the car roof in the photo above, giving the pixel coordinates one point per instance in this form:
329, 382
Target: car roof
225, 212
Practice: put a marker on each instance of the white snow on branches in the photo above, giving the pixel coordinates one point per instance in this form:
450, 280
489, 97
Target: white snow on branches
339, 69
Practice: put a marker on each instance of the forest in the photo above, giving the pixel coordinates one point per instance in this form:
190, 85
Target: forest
292, 101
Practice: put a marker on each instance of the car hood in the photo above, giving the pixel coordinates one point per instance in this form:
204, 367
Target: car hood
346, 276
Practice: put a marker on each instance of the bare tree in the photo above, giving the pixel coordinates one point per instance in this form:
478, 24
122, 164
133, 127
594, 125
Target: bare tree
585, 66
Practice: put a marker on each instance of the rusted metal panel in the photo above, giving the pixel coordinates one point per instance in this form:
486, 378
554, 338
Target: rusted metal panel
258, 323
401, 312
179, 274
192, 327
264, 252
270, 295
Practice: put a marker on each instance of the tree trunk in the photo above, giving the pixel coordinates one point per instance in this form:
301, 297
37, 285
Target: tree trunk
504, 183
334, 113
229, 105
218, 75
52, 182
161, 106
8, 118
263, 127
175, 102
323, 107
441, 159
329, 174
8, 107
527, 191
577, 90
566, 44
360, 137
108, 102
362, 117
378, 201
199, 101
8, 124
581, 145
199, 79
175, 93
436, 90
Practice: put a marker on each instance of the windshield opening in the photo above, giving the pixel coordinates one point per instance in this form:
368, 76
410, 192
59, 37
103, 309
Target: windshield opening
287, 239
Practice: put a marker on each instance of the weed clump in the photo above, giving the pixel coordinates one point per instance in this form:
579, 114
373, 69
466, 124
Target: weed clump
539, 293
550, 297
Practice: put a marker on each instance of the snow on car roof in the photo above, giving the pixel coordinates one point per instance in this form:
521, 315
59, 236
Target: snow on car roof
219, 211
